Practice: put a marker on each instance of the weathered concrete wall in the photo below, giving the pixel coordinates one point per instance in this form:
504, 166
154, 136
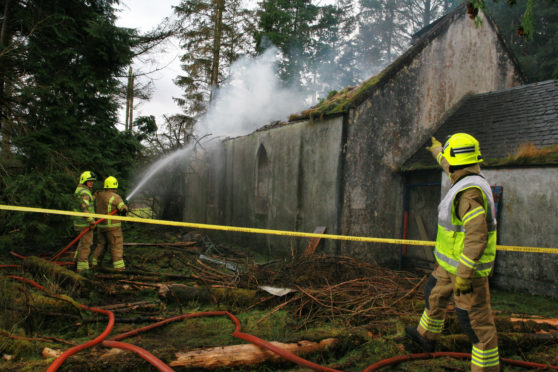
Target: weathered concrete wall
402, 112
528, 194
284, 178
204, 184
527, 217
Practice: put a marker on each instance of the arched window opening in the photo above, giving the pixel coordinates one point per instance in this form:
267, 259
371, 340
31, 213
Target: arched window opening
262, 181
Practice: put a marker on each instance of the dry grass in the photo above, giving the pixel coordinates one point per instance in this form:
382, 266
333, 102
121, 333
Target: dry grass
530, 151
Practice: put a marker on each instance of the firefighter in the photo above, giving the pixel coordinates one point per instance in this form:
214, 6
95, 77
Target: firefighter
86, 204
110, 231
465, 252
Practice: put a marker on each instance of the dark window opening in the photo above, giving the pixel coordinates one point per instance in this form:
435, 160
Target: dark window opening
262, 181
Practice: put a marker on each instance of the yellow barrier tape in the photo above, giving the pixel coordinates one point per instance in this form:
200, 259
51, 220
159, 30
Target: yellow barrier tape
263, 231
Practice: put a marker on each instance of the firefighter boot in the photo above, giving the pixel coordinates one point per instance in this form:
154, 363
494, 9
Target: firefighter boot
427, 345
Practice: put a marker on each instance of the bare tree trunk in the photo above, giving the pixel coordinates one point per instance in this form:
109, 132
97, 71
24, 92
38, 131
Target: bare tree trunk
217, 36
5, 126
427, 13
130, 124
390, 33
129, 101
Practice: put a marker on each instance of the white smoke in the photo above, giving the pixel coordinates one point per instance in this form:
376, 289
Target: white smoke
252, 97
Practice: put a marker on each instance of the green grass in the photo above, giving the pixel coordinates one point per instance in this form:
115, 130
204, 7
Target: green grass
523, 303
358, 345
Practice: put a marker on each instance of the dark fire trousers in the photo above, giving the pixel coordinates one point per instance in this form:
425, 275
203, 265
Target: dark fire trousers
115, 242
474, 314
83, 250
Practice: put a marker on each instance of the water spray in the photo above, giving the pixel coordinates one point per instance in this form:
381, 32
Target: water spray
158, 165
252, 96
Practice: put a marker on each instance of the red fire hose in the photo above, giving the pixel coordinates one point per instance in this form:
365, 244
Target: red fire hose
156, 362
244, 336
28, 281
65, 355
82, 233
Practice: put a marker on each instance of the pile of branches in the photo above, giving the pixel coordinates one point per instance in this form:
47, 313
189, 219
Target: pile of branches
327, 287
334, 287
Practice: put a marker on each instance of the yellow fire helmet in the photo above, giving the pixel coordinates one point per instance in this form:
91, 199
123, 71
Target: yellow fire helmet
87, 176
462, 149
111, 183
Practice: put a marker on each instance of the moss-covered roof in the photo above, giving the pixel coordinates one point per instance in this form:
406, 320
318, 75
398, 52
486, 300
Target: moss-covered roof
340, 102
515, 127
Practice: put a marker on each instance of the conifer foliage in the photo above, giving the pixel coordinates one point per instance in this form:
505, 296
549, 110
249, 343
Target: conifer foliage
532, 32
59, 64
214, 34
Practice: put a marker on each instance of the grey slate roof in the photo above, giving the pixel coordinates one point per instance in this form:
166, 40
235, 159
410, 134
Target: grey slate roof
502, 121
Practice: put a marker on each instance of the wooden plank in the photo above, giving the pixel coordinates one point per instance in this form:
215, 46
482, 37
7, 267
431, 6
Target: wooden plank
313, 242
424, 236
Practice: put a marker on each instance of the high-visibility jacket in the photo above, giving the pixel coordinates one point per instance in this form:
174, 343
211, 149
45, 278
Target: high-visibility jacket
106, 202
84, 203
450, 239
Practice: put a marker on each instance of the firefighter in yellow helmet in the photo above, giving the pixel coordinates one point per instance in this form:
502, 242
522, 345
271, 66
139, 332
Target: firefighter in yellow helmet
465, 252
84, 203
110, 231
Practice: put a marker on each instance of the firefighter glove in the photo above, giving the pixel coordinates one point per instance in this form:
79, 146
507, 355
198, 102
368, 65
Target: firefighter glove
435, 143
124, 211
462, 286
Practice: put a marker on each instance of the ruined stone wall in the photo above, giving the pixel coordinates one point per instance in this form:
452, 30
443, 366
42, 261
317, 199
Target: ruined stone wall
283, 178
401, 112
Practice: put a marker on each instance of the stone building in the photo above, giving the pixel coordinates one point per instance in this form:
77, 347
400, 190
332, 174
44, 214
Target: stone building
341, 164
518, 132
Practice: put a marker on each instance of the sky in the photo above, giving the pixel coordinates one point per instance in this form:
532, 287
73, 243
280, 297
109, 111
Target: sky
145, 15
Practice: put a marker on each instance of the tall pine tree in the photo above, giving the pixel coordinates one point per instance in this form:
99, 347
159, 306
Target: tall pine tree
312, 40
214, 34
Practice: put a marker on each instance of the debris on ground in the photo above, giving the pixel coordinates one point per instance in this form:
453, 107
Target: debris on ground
298, 303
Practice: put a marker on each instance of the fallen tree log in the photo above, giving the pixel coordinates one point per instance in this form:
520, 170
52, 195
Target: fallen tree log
25, 306
115, 274
510, 341
183, 244
180, 293
244, 355
59, 275
552, 322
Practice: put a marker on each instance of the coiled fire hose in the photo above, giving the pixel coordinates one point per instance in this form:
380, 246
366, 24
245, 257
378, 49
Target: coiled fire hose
161, 366
156, 362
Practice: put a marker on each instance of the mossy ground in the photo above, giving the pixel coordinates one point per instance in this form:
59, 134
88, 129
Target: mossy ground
359, 345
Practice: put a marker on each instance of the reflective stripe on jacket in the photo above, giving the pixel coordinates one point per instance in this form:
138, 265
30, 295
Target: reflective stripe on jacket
81, 191
106, 202
450, 239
